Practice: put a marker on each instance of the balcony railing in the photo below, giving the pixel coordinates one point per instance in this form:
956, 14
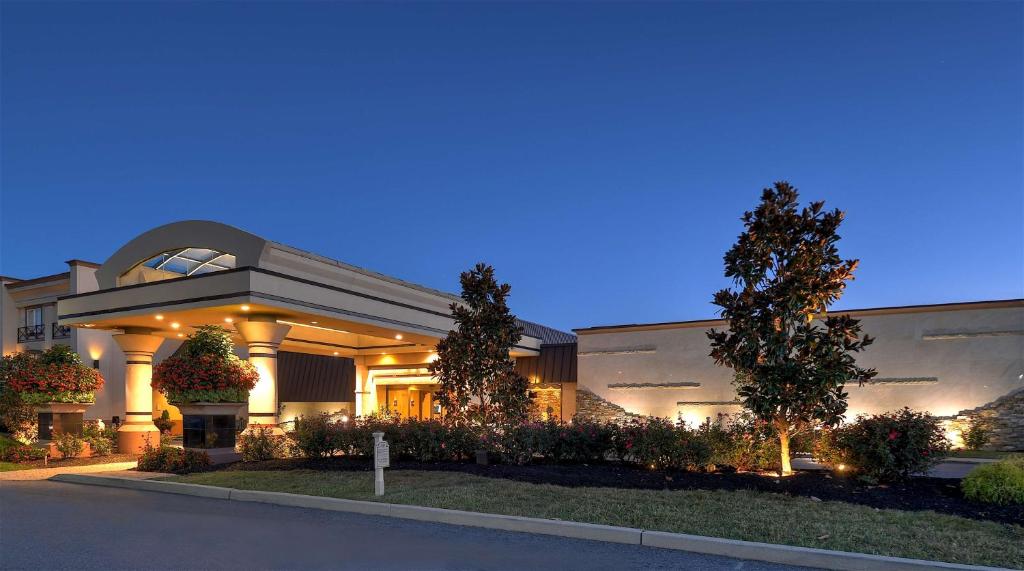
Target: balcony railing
31, 333
60, 331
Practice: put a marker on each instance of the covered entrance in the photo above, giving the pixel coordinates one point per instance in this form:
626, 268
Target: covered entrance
406, 392
159, 287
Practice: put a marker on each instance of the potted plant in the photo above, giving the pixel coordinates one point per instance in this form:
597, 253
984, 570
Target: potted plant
210, 384
57, 383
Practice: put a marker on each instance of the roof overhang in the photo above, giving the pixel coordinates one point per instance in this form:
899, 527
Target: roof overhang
325, 318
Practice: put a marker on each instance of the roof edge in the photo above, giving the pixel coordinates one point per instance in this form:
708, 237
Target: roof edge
924, 308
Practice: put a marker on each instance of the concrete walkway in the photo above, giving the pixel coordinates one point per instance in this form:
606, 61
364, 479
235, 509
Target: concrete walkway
47, 473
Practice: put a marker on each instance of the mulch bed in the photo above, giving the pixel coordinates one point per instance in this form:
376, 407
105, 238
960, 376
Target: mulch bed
938, 494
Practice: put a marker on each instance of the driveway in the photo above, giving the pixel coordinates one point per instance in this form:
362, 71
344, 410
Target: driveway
51, 525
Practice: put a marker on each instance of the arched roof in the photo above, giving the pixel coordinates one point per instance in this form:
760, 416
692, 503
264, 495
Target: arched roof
246, 248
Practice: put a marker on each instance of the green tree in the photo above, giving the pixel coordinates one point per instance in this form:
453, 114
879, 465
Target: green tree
478, 378
791, 361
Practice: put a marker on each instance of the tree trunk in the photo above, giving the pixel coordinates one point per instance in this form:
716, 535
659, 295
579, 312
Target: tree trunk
787, 468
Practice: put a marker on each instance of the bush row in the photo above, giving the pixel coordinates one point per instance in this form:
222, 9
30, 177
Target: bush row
883, 447
741, 443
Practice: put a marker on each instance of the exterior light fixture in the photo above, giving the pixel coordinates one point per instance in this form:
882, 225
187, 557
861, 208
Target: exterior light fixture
335, 353
95, 363
181, 335
175, 325
314, 322
159, 317
841, 467
245, 308
228, 320
399, 336
344, 418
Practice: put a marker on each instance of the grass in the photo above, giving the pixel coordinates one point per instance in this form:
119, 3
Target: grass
752, 516
987, 454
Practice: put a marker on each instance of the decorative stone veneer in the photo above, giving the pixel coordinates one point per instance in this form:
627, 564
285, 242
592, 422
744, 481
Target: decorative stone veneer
1005, 417
545, 401
589, 406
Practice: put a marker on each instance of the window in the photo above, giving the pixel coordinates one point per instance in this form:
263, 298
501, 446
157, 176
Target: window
183, 262
33, 316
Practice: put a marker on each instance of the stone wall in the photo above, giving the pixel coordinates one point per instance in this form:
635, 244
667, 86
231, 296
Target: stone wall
1004, 416
545, 401
592, 407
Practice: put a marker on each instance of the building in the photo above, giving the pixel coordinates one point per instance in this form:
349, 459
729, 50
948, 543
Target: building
953, 360
328, 336
324, 335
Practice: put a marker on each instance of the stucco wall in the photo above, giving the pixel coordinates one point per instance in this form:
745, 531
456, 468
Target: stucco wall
941, 360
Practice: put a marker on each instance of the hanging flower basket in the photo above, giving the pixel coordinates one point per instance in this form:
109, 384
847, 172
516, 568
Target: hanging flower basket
205, 371
55, 376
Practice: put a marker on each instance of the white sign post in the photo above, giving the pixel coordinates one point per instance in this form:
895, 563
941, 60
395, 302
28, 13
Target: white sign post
381, 460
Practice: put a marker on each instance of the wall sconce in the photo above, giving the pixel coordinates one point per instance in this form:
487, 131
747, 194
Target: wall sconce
95, 363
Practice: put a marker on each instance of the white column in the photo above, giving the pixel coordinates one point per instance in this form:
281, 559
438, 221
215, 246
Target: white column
138, 430
263, 335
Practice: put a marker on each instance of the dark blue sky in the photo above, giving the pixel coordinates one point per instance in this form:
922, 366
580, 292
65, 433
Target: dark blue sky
598, 155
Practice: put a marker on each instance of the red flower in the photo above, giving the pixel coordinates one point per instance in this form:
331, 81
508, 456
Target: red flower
893, 435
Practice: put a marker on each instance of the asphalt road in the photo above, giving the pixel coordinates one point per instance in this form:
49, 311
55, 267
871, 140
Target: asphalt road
50, 525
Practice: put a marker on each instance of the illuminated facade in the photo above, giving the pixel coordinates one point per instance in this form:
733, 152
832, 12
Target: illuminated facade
330, 337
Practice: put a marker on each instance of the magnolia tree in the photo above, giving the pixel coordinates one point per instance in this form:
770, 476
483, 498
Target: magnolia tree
478, 378
791, 361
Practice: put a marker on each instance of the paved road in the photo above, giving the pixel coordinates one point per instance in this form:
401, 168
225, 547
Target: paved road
51, 525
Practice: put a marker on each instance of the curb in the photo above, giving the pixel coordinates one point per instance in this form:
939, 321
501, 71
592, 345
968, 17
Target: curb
772, 553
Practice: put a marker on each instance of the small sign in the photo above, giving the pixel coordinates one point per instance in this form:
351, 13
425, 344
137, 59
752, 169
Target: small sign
382, 455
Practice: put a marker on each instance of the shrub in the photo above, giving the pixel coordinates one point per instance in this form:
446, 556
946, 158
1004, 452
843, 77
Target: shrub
743, 442
314, 437
100, 438
21, 453
1000, 483
18, 417
55, 375
164, 424
261, 444
657, 443
175, 460
976, 434
205, 371
884, 447
69, 445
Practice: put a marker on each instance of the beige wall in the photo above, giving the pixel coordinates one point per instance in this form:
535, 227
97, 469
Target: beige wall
939, 360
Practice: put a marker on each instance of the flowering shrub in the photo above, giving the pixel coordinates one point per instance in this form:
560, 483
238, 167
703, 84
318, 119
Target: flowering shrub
1000, 483
205, 371
100, 438
56, 375
657, 443
175, 460
884, 447
21, 453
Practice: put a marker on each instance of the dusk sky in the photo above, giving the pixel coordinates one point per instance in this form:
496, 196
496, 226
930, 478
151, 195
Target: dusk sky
598, 155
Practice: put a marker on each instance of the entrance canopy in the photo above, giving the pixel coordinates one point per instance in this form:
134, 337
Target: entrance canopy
176, 277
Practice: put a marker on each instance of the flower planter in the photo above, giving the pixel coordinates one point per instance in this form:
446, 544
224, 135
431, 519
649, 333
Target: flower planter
210, 426
61, 417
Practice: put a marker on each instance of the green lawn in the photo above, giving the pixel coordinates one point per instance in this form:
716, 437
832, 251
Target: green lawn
752, 516
987, 454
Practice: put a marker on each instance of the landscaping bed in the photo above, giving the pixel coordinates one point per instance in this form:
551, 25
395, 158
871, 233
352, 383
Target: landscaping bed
740, 514
60, 463
937, 494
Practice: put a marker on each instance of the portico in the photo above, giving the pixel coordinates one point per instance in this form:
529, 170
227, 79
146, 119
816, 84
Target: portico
166, 282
